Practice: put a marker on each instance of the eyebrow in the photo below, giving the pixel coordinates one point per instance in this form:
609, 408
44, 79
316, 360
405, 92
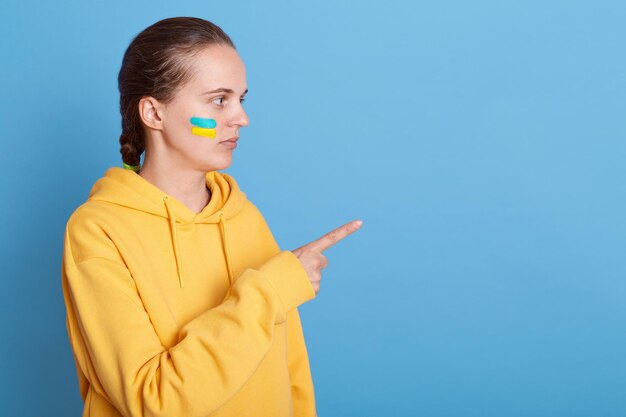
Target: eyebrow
223, 90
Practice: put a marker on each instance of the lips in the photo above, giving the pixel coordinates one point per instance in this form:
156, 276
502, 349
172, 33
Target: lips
232, 140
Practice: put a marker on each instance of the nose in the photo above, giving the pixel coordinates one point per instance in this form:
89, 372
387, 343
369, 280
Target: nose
240, 118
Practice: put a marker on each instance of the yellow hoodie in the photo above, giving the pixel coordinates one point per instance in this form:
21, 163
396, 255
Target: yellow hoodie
178, 314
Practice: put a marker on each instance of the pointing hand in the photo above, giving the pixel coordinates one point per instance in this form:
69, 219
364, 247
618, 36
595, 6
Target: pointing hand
311, 257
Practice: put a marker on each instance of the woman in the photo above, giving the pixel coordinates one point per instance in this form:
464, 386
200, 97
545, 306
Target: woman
179, 301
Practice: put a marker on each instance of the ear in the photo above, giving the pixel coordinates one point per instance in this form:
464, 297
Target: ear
150, 111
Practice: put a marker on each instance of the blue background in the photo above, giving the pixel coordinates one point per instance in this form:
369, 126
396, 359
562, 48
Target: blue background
482, 143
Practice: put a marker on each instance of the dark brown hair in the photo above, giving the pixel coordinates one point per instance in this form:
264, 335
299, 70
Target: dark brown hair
157, 64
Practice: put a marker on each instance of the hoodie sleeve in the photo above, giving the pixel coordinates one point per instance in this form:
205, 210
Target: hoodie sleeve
302, 390
216, 353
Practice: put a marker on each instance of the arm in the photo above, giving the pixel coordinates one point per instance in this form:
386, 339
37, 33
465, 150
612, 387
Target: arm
216, 353
302, 390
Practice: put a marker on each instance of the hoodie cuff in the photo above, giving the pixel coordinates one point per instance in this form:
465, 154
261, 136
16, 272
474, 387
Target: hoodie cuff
289, 279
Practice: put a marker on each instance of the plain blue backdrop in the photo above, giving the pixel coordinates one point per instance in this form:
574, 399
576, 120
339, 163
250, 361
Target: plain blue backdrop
482, 143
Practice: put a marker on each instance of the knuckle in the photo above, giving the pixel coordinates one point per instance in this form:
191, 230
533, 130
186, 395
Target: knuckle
319, 263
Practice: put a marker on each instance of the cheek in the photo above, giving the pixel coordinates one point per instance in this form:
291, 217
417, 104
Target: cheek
204, 127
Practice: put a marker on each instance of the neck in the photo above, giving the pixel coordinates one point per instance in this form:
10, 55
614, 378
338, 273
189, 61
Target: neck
186, 185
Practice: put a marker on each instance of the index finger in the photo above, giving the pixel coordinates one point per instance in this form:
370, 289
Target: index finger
336, 235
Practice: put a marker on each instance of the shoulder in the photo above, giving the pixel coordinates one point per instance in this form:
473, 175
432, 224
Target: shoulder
92, 215
86, 234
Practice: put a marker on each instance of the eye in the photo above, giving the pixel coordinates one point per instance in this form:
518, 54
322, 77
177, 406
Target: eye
218, 98
241, 100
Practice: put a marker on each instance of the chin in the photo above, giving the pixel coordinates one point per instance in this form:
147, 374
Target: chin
217, 165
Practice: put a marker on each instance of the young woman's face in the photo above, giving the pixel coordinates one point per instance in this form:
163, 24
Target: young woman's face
207, 110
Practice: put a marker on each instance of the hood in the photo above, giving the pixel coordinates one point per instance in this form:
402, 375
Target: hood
126, 188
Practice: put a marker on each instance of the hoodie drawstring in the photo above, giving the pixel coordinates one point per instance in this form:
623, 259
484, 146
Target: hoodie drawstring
179, 264
225, 245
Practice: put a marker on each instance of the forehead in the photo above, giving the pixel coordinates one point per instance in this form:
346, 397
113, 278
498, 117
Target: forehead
218, 66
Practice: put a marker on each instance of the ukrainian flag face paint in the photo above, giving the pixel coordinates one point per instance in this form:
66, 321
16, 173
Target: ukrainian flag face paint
203, 127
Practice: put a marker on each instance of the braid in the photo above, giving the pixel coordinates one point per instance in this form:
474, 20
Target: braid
131, 151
